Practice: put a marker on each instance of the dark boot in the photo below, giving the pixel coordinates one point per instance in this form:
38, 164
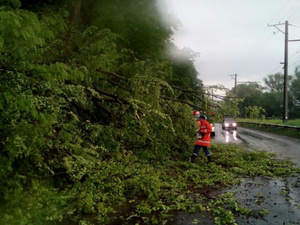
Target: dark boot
193, 158
209, 158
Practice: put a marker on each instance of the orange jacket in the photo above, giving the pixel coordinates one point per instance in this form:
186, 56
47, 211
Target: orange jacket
205, 129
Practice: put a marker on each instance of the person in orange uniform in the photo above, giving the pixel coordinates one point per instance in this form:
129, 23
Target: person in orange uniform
203, 139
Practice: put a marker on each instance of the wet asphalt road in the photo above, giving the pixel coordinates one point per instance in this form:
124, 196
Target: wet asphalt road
280, 197
284, 147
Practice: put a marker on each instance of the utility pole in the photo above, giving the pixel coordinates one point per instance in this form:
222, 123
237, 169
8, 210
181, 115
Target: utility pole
285, 63
235, 81
285, 80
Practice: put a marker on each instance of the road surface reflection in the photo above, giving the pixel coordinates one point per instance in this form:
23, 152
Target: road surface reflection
229, 135
252, 139
226, 136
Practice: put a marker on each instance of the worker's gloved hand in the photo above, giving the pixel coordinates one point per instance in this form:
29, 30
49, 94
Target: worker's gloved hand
199, 135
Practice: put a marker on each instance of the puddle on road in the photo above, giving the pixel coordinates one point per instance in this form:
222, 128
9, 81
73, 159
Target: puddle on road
281, 198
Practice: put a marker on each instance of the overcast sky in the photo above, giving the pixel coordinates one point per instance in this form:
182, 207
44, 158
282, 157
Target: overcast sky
233, 37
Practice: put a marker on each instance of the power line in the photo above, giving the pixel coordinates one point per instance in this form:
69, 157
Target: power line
295, 10
291, 9
274, 69
295, 25
249, 82
280, 65
256, 54
294, 63
253, 54
294, 54
235, 82
244, 78
285, 91
292, 57
286, 66
257, 49
286, 3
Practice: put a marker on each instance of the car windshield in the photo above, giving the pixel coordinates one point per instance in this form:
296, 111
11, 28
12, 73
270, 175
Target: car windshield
228, 120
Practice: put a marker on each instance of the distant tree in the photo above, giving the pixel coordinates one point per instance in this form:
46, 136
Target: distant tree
254, 112
275, 87
272, 102
295, 90
228, 106
251, 94
274, 82
295, 86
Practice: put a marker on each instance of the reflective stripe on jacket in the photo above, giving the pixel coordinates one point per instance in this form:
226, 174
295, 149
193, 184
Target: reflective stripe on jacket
205, 129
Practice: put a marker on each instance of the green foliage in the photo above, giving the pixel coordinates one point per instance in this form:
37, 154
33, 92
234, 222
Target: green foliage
37, 204
11, 3
67, 120
263, 212
274, 121
255, 95
195, 221
90, 117
263, 125
275, 82
223, 216
275, 109
252, 163
255, 112
229, 106
251, 95
295, 90
139, 23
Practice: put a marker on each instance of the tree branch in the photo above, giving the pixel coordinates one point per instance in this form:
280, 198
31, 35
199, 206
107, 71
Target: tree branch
181, 101
112, 73
175, 112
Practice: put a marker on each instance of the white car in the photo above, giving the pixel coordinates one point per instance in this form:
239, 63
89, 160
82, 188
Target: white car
229, 123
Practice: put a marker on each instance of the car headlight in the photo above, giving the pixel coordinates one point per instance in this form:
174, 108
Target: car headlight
234, 124
226, 124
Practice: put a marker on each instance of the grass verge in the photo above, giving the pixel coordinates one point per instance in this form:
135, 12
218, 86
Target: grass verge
273, 121
277, 130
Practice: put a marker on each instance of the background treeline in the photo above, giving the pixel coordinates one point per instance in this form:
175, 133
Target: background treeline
85, 85
267, 101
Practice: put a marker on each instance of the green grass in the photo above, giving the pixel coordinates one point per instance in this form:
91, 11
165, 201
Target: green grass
277, 121
248, 123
